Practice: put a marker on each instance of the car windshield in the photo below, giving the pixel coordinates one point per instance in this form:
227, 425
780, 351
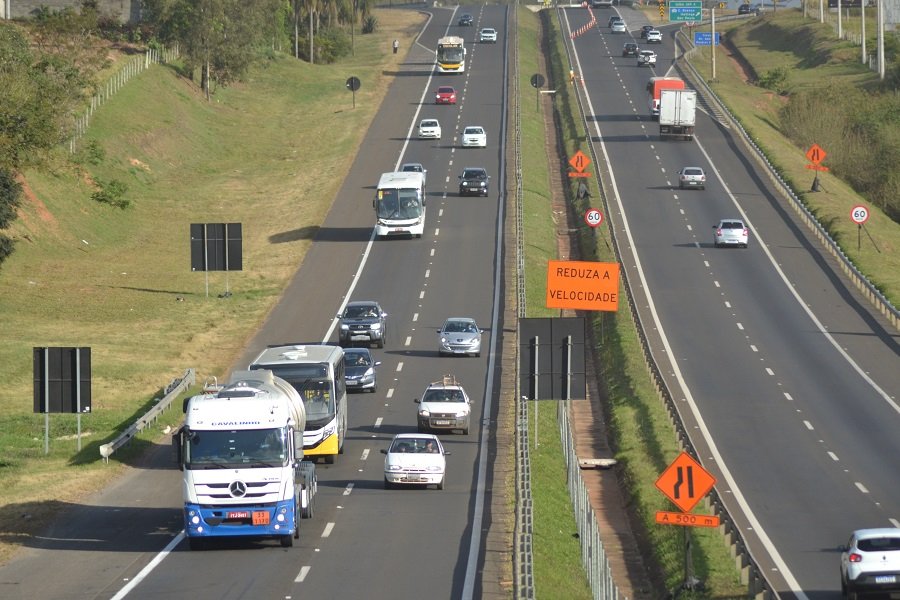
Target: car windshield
880, 544
415, 446
416, 168
361, 311
436, 395
474, 130
445, 90
357, 359
429, 123
474, 175
693, 172
460, 327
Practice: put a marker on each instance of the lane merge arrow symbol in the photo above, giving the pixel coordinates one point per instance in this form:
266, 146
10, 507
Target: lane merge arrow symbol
685, 482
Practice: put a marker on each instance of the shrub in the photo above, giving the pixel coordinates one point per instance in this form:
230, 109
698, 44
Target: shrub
332, 44
112, 192
10, 195
775, 80
6, 247
370, 24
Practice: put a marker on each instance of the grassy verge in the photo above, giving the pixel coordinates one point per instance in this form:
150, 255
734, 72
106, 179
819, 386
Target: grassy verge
87, 274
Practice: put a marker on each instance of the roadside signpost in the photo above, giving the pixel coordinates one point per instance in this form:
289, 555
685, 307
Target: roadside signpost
816, 154
705, 38
593, 217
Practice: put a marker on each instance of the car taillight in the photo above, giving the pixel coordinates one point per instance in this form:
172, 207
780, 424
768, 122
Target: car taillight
703, 178
719, 231
854, 557
746, 232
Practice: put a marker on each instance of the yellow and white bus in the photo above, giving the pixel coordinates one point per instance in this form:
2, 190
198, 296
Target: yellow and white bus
316, 371
451, 55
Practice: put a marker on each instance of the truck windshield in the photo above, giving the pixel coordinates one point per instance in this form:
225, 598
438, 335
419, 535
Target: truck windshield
248, 447
398, 204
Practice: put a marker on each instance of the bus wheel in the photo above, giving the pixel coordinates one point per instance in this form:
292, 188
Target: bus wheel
287, 541
329, 459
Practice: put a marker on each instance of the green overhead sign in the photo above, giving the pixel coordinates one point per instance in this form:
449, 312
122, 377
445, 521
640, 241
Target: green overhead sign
685, 10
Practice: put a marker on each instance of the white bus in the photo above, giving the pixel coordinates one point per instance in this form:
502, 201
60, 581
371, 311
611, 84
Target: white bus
400, 204
316, 371
451, 55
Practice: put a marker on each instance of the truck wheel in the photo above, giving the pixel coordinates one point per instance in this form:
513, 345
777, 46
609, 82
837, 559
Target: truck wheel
196, 543
287, 541
296, 522
329, 459
307, 512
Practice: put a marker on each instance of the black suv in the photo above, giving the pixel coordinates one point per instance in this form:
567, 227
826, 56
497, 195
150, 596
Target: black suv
362, 320
466, 20
630, 49
645, 29
474, 182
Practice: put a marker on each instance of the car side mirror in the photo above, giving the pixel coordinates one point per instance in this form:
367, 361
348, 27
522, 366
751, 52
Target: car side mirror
384, 451
416, 401
377, 362
459, 176
446, 453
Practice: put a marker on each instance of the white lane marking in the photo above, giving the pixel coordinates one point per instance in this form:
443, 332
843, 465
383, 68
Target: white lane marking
437, 231
861, 487
752, 347
415, 317
770, 371
378, 422
690, 228
833, 456
327, 531
399, 366
421, 294
788, 396
809, 425
304, 571
441, 212
427, 273
716, 283
432, 252
348, 489
740, 326
408, 341
364, 455
390, 393
894, 522
150, 566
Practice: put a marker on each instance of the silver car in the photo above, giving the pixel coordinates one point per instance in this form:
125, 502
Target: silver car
459, 335
692, 177
730, 232
444, 406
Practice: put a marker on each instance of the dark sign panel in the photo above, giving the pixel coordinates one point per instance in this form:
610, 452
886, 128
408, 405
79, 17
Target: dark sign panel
845, 4
59, 374
216, 247
552, 358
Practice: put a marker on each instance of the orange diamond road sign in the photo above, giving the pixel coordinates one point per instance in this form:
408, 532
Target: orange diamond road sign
816, 154
685, 482
580, 161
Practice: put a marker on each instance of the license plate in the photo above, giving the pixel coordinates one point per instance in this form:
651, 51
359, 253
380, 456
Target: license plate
885, 579
442, 422
412, 479
260, 517
239, 514
351, 382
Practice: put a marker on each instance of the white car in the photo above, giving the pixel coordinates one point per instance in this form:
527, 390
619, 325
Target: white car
488, 35
414, 167
444, 406
473, 136
730, 232
646, 58
430, 128
870, 563
618, 27
415, 459
654, 36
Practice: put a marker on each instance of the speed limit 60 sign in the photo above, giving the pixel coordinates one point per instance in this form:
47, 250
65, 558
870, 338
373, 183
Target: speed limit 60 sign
859, 214
593, 217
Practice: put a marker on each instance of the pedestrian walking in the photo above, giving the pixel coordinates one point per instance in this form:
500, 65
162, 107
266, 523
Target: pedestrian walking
396, 46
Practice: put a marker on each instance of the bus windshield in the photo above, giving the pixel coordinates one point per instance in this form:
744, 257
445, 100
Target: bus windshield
450, 54
312, 383
398, 204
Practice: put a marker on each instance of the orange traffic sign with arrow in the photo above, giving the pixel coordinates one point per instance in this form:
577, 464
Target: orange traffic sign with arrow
685, 482
579, 162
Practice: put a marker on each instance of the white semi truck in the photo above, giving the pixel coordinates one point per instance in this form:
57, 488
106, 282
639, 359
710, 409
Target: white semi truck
241, 451
677, 113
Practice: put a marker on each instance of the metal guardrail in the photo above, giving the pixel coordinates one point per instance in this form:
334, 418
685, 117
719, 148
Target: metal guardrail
523, 555
173, 391
859, 280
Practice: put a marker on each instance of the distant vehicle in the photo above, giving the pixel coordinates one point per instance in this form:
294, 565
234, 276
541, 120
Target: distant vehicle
601, 3
870, 563
646, 58
677, 114
618, 27
430, 128
362, 320
691, 177
655, 85
474, 182
473, 136
445, 94
748, 9
444, 406
488, 35
645, 29
612, 20
466, 20
630, 49
451, 54
730, 232
359, 370
415, 459
459, 335
654, 37
399, 203
414, 167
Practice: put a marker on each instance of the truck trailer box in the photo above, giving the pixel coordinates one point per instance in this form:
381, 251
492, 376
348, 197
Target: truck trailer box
677, 113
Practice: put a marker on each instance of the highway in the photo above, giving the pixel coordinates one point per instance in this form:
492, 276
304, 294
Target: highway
364, 541
785, 376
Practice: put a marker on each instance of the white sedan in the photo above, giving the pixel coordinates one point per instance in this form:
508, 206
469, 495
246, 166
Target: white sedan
415, 459
430, 128
473, 136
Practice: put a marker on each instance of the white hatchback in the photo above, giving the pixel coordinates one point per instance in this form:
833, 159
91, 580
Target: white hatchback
430, 128
488, 35
870, 563
415, 459
473, 136
654, 36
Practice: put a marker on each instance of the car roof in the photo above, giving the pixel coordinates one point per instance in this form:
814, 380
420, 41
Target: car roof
685, 169
463, 319
474, 171
487, 29
362, 303
468, 127
356, 351
877, 532
429, 121
445, 88
414, 436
